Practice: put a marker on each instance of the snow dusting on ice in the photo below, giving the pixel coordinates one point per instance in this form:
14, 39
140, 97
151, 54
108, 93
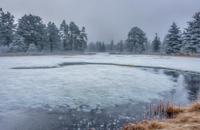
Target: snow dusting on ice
85, 85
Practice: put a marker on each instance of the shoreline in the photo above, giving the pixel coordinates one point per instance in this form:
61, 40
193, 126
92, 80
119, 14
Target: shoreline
185, 118
89, 53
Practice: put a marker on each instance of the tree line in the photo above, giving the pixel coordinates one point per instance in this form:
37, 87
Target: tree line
174, 43
30, 34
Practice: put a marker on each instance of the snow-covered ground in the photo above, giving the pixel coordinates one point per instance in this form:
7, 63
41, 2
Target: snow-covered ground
181, 63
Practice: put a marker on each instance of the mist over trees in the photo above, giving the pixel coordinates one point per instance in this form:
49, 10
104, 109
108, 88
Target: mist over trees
30, 34
174, 43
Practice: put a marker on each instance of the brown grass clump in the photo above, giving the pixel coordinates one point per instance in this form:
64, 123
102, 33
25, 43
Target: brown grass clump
183, 121
172, 111
155, 125
136, 127
145, 126
187, 118
194, 107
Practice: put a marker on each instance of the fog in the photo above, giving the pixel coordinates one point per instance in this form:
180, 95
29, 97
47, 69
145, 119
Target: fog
109, 19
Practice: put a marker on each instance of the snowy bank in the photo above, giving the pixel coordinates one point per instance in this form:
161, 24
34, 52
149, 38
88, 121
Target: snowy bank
179, 63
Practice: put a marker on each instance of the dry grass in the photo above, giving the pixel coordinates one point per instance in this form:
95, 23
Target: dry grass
183, 119
165, 110
187, 117
156, 125
172, 111
194, 107
136, 127
145, 125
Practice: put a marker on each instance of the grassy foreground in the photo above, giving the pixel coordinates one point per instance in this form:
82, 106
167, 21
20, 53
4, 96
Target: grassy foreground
187, 118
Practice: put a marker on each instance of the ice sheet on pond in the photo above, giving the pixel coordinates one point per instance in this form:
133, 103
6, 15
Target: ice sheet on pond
103, 96
79, 85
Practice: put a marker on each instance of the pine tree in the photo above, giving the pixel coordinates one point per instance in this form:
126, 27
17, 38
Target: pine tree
53, 37
156, 44
191, 35
120, 46
173, 41
100, 46
64, 35
136, 40
17, 44
32, 29
7, 27
111, 46
74, 34
82, 40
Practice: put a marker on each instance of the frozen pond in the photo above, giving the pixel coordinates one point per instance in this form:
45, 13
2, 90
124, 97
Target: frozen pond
48, 97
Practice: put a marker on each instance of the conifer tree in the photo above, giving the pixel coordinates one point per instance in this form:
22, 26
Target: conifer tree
32, 29
64, 35
173, 42
17, 44
156, 44
136, 40
191, 36
53, 37
74, 33
120, 46
82, 40
7, 27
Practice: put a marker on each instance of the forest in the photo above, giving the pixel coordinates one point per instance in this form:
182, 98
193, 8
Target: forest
31, 35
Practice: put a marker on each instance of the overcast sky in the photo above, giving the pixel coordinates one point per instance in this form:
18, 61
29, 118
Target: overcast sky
109, 19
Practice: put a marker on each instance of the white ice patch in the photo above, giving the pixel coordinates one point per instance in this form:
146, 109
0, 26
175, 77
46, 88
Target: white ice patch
90, 84
79, 85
